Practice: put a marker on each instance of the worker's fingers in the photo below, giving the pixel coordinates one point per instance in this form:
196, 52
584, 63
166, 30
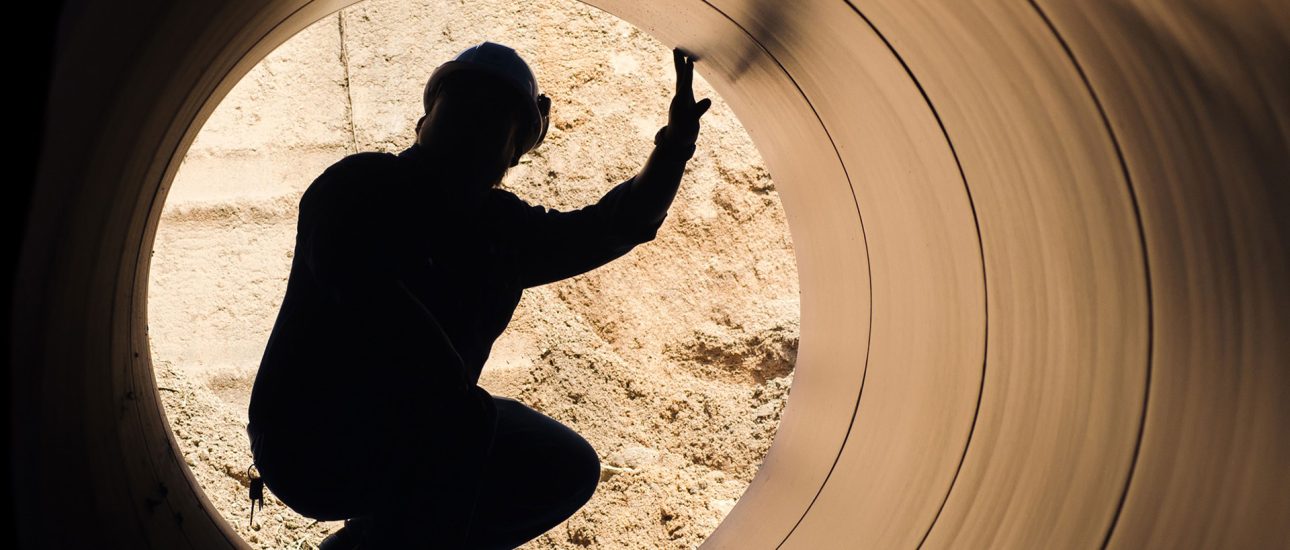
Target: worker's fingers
683, 119
678, 59
702, 107
684, 73
687, 74
694, 113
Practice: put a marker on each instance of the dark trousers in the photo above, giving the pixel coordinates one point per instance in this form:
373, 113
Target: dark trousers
424, 486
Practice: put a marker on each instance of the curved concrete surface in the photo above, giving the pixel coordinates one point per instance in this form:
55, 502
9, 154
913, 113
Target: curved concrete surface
1043, 250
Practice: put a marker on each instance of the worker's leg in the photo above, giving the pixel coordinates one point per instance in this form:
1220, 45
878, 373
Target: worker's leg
539, 473
429, 484
319, 473
377, 452
437, 483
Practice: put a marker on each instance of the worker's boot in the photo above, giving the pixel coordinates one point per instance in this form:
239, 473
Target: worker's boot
348, 537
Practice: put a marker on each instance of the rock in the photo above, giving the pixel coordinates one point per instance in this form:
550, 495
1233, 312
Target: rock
633, 457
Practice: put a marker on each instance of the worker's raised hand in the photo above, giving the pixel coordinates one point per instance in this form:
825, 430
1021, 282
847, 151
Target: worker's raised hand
683, 115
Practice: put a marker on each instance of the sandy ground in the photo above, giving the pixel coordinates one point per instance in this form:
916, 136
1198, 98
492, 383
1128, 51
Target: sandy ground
673, 361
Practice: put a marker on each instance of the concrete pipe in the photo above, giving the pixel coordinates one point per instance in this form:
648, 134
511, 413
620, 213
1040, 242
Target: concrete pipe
1042, 249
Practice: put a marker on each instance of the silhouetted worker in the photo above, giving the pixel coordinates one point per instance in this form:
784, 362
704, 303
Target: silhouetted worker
407, 267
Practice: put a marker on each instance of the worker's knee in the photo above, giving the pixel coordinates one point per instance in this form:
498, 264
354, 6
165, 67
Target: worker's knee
585, 465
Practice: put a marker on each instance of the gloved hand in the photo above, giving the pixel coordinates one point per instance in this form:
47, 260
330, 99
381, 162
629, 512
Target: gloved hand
683, 116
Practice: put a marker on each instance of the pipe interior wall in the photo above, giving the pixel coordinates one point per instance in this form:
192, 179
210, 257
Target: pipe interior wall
1042, 247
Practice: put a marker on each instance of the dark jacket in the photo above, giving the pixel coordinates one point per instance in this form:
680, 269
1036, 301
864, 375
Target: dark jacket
346, 328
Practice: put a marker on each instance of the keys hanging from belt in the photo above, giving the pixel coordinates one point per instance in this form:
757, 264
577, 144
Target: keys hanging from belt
257, 492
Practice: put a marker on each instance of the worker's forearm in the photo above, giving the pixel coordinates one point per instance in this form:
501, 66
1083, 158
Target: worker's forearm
437, 343
655, 186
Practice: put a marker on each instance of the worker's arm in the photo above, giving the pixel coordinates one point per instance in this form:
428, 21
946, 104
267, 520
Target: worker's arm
349, 243
541, 245
548, 245
653, 189
551, 245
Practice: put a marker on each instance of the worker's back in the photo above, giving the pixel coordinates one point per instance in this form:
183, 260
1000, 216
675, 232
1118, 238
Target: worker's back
468, 266
321, 357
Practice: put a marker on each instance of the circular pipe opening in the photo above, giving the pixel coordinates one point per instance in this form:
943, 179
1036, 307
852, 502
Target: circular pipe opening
699, 325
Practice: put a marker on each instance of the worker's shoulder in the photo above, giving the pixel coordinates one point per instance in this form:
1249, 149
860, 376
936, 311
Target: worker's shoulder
507, 204
497, 194
354, 173
363, 163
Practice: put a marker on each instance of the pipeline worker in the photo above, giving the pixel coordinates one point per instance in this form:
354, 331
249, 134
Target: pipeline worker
407, 268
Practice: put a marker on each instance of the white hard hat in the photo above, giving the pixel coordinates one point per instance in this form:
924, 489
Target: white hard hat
503, 62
